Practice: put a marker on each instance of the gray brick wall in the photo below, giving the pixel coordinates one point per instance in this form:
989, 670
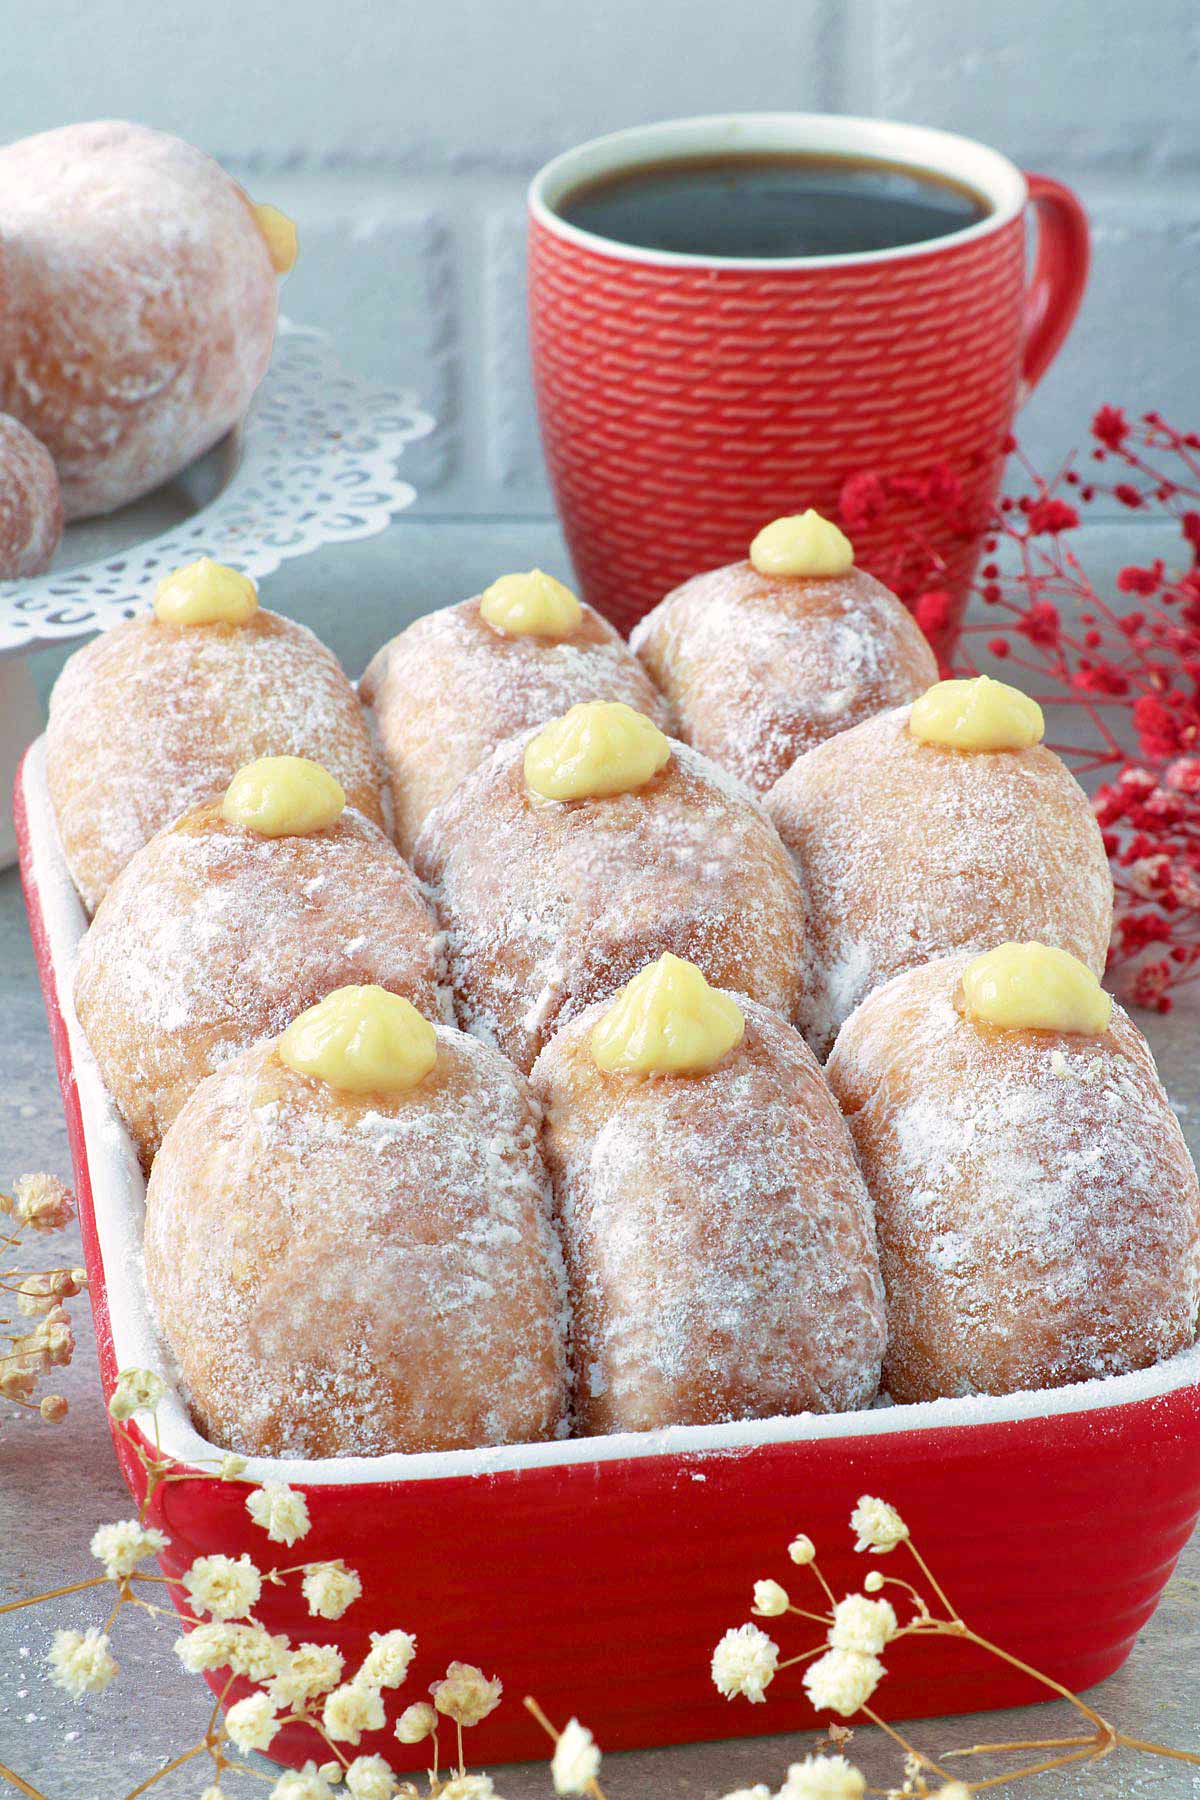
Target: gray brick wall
401, 136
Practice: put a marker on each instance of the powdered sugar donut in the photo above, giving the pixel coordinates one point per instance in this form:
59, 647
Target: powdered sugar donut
213, 937
31, 514
550, 905
907, 850
141, 305
450, 688
342, 1273
718, 1237
761, 667
150, 718
1037, 1210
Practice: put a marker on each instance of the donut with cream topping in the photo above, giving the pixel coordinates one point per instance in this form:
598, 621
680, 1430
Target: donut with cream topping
766, 658
718, 1237
216, 934
456, 682
141, 293
348, 1243
160, 713
576, 854
1037, 1210
915, 834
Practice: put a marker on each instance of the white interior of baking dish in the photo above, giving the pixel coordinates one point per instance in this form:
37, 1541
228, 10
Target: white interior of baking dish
118, 1194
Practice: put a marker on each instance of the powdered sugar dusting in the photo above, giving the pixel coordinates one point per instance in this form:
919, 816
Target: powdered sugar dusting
342, 1275
140, 305
550, 905
1038, 1213
147, 720
718, 1234
213, 937
449, 688
907, 850
761, 668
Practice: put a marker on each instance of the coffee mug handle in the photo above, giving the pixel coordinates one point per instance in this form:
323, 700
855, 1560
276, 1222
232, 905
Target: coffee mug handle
1060, 271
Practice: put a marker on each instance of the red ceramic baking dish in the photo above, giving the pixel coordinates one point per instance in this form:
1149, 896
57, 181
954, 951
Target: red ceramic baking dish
598, 1574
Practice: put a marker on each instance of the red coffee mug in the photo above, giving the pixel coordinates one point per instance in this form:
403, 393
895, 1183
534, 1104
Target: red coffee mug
685, 400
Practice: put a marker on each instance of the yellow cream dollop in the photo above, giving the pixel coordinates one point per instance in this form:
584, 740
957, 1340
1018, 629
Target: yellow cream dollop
362, 1040
530, 605
205, 593
283, 796
667, 1021
977, 715
279, 233
802, 544
1034, 987
599, 748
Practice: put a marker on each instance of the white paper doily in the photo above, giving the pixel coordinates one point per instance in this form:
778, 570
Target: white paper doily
314, 462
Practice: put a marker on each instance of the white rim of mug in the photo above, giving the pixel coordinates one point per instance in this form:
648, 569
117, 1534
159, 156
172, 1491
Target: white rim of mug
944, 153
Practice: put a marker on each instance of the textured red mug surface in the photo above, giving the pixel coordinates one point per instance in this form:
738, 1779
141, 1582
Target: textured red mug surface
685, 400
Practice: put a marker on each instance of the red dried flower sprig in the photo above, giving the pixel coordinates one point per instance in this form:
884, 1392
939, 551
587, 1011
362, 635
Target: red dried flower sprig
1123, 670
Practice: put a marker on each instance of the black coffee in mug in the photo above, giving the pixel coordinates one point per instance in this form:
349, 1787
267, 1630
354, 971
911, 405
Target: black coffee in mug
786, 205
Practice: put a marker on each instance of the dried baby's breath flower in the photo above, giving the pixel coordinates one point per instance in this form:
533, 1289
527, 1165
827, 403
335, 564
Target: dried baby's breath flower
304, 1673
248, 1650
307, 1783
802, 1550
251, 1723
207, 1647
332, 1772
330, 1588
137, 1390
878, 1525
122, 1546
862, 1624
36, 1294
17, 1383
54, 1408
770, 1600
214, 1793
416, 1723
874, 1582
281, 1511
386, 1662
465, 1694
369, 1778
43, 1202
80, 1663
352, 1709
842, 1681
232, 1466
823, 1778
576, 1759
468, 1787
223, 1587
744, 1662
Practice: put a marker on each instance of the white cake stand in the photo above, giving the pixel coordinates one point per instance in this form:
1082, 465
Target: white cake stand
314, 462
